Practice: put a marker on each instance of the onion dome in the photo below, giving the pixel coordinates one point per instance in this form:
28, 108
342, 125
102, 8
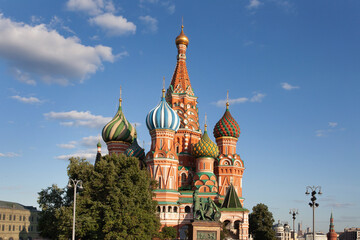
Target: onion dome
163, 117
135, 150
227, 126
98, 144
182, 38
119, 128
205, 147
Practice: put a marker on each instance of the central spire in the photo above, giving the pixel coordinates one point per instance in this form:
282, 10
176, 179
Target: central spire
180, 82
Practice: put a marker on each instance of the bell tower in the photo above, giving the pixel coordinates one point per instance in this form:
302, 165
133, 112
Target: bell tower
182, 99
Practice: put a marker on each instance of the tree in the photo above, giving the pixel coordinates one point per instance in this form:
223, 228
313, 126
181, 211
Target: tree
50, 201
116, 202
168, 233
261, 221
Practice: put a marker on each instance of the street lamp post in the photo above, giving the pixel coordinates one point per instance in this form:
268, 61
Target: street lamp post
313, 204
293, 212
74, 183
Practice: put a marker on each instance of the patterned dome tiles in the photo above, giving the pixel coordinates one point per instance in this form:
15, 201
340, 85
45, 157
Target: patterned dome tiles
227, 126
205, 147
135, 150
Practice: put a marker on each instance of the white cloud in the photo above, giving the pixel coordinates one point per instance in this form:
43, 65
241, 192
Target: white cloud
47, 54
258, 97
29, 100
114, 25
150, 22
332, 127
69, 145
332, 124
86, 155
22, 76
288, 87
92, 7
10, 155
254, 4
75, 118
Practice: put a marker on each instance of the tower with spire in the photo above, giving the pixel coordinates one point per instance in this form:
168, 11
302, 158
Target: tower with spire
229, 166
332, 235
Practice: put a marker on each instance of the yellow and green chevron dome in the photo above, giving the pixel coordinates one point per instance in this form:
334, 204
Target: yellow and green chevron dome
205, 147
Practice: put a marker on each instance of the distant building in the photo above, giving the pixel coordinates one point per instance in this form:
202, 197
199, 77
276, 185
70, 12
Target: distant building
18, 222
350, 234
332, 235
282, 231
300, 231
309, 236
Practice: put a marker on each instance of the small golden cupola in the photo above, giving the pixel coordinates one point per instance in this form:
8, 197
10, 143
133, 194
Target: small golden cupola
182, 38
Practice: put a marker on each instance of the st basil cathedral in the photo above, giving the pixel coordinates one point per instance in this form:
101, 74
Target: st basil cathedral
182, 158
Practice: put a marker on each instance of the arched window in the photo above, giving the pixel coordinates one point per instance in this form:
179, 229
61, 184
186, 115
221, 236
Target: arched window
169, 209
158, 209
175, 209
177, 149
183, 178
187, 209
164, 209
227, 224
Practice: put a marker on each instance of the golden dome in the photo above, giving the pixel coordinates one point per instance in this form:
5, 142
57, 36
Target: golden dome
182, 38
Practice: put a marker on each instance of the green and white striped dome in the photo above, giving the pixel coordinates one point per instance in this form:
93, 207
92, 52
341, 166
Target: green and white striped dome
119, 128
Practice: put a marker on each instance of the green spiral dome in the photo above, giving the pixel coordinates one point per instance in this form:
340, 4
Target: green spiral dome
119, 128
205, 147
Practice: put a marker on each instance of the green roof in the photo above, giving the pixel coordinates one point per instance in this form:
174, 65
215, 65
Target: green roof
231, 199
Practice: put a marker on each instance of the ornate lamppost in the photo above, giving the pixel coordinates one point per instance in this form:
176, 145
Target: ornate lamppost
75, 184
294, 212
313, 204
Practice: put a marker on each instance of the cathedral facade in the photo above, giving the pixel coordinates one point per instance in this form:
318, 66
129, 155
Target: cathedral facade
183, 158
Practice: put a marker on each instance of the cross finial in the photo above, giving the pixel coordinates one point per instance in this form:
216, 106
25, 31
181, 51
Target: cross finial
163, 90
227, 100
182, 20
120, 99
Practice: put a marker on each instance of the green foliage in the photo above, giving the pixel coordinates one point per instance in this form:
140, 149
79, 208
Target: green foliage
168, 233
261, 221
116, 202
50, 201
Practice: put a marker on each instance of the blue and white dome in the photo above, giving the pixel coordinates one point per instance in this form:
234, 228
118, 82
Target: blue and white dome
163, 117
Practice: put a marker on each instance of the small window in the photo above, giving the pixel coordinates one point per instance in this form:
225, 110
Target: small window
175, 209
187, 209
14, 217
9, 227
10, 217
158, 209
20, 218
19, 228
3, 216
164, 209
169, 209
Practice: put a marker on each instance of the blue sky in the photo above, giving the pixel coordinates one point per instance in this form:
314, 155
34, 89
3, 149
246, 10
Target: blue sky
291, 68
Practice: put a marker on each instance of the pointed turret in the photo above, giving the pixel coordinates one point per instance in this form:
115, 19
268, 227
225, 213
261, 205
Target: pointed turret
231, 199
332, 235
182, 99
98, 154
